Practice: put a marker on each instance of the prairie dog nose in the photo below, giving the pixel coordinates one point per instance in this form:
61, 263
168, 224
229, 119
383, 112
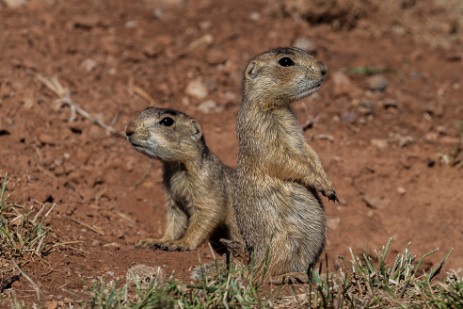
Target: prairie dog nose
131, 128
323, 68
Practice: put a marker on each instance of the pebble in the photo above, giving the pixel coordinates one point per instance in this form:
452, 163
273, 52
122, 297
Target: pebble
333, 223
431, 137
205, 25
47, 139
401, 191
405, 141
435, 109
15, 3
349, 117
197, 89
114, 245
366, 108
88, 65
326, 137
209, 106
379, 143
254, 16
204, 41
377, 83
131, 24
390, 103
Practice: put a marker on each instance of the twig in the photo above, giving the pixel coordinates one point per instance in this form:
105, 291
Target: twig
95, 229
64, 98
33, 284
143, 94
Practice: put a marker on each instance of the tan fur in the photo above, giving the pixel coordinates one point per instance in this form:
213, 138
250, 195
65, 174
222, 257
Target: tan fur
279, 213
198, 185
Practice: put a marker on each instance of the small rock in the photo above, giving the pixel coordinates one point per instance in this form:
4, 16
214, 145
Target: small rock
377, 83
404, 141
442, 130
197, 89
305, 44
366, 108
255, 16
431, 137
14, 3
434, 109
131, 24
152, 49
390, 103
205, 25
86, 21
158, 13
204, 41
47, 139
379, 143
114, 245
210, 106
326, 137
333, 223
88, 65
349, 117
401, 191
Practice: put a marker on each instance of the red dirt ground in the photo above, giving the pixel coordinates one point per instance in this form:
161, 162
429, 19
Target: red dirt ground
386, 151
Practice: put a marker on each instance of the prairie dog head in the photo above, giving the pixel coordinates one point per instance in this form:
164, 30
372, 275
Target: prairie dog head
283, 75
166, 134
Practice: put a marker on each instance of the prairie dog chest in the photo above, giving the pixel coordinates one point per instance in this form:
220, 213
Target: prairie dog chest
179, 186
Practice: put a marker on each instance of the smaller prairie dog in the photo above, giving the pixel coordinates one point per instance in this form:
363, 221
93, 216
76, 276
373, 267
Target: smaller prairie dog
198, 185
278, 211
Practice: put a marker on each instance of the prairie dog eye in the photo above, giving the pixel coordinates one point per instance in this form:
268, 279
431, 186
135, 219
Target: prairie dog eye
285, 62
166, 121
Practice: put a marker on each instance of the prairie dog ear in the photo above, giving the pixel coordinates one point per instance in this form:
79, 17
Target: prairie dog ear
196, 131
252, 70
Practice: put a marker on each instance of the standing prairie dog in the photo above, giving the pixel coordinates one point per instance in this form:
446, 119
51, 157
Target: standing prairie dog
278, 211
198, 185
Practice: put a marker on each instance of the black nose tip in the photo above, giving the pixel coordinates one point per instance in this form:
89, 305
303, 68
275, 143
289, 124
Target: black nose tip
130, 130
323, 68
